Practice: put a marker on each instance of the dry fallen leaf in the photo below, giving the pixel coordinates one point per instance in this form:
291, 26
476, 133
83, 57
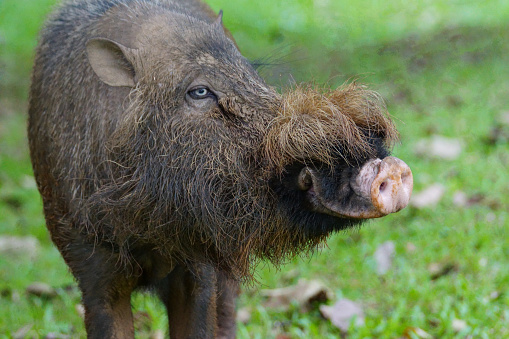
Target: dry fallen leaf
499, 132
53, 335
22, 332
383, 256
15, 297
342, 313
495, 295
458, 325
410, 247
413, 332
28, 181
439, 147
438, 270
157, 334
428, 197
11, 245
244, 315
461, 199
142, 321
80, 309
41, 290
304, 294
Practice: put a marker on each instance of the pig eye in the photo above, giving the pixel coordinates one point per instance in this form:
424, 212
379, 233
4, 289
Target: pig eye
200, 93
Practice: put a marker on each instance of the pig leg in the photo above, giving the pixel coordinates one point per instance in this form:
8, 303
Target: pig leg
227, 292
105, 288
190, 299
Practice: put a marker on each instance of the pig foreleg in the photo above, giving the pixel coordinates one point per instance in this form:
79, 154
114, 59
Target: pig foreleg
190, 299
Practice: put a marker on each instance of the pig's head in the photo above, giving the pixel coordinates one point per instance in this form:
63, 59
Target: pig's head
207, 162
331, 148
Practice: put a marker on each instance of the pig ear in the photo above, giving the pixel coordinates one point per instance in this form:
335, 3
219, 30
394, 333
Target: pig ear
110, 62
219, 20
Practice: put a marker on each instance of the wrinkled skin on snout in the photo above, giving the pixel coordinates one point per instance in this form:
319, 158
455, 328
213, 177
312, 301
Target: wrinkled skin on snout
165, 162
379, 188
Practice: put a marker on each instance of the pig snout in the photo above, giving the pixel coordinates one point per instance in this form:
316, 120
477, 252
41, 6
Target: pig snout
386, 183
381, 187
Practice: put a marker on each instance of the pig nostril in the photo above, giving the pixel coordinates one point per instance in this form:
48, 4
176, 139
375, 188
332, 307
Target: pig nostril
383, 186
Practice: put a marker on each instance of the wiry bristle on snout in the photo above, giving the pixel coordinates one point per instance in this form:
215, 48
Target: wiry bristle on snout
323, 124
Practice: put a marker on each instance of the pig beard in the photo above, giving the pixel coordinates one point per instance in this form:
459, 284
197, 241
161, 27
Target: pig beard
194, 197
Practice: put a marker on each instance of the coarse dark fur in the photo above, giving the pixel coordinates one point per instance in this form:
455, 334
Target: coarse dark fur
144, 186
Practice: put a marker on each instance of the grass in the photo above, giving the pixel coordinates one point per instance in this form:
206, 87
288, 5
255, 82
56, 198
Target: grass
442, 66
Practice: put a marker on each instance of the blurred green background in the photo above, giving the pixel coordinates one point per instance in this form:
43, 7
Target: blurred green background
443, 67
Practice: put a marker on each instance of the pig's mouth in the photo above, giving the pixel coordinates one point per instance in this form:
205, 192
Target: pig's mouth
379, 188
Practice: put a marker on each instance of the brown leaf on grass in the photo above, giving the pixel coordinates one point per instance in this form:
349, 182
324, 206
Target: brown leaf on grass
438, 270
142, 321
434, 322
71, 290
305, 293
54, 335
416, 332
495, 295
461, 199
383, 257
244, 315
458, 325
410, 247
157, 334
499, 132
22, 333
15, 297
342, 313
428, 197
439, 147
80, 309
497, 135
41, 289
16, 246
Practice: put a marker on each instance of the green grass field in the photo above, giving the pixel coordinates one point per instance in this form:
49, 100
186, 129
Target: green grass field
443, 67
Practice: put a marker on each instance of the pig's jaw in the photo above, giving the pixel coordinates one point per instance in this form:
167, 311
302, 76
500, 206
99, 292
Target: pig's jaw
381, 187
